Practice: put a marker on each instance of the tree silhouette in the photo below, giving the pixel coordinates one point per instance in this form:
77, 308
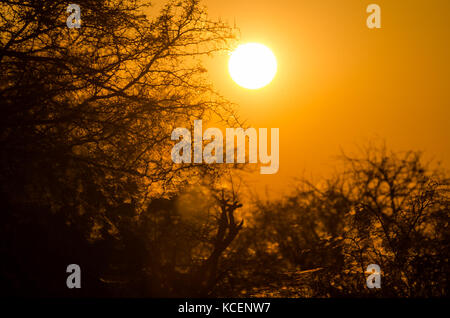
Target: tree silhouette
86, 177
384, 208
399, 220
108, 95
86, 119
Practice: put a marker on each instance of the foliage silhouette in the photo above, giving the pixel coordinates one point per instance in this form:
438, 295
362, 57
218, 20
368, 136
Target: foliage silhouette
383, 208
85, 175
86, 119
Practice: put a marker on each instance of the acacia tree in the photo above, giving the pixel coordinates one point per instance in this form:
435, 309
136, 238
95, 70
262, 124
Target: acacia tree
176, 245
385, 208
107, 95
399, 220
86, 114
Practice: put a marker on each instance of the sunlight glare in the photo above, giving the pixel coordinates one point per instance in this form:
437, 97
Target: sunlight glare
252, 65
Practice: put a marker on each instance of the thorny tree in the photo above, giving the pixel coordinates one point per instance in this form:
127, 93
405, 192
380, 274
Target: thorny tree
385, 208
86, 118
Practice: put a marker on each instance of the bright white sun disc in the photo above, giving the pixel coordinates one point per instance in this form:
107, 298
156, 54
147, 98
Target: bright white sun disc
252, 65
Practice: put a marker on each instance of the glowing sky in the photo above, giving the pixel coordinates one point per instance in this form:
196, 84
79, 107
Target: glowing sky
340, 84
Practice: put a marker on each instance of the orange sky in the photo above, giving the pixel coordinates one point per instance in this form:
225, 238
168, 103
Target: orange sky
340, 84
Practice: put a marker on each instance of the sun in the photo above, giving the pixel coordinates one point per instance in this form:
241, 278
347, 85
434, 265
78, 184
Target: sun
252, 65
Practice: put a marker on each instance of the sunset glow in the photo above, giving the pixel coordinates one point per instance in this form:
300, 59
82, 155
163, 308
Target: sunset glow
252, 65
